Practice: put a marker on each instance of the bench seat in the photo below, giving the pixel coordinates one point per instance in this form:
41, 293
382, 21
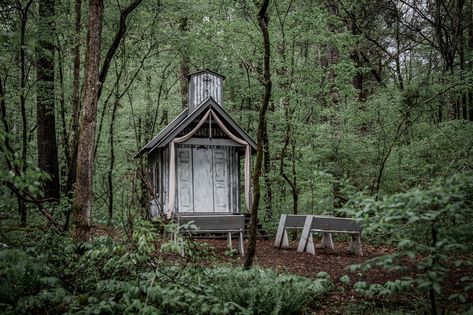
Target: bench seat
318, 224
217, 223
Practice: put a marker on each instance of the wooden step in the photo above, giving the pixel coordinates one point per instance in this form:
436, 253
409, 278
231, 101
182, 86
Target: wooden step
262, 233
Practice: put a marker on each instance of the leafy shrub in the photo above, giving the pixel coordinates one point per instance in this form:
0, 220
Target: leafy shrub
431, 229
26, 283
18, 270
262, 291
149, 294
345, 279
134, 276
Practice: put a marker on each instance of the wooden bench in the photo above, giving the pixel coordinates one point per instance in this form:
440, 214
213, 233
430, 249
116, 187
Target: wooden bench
318, 224
288, 222
217, 223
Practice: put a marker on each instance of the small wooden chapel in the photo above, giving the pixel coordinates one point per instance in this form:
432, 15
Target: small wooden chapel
194, 162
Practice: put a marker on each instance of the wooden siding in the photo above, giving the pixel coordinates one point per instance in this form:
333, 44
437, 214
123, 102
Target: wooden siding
194, 116
203, 183
207, 178
185, 195
214, 141
165, 177
204, 131
207, 165
202, 86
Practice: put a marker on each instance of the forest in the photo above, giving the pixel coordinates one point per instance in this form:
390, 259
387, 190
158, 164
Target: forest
359, 109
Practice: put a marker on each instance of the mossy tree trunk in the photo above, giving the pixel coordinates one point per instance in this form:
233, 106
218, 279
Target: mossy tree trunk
82, 204
45, 113
263, 21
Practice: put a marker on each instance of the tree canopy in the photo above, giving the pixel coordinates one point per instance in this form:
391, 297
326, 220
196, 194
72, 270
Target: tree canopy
345, 98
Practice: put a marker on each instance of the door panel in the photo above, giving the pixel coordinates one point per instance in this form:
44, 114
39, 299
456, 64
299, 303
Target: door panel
184, 180
221, 180
204, 179
203, 186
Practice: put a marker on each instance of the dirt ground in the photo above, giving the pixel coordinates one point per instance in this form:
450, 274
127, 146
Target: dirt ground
342, 299
336, 263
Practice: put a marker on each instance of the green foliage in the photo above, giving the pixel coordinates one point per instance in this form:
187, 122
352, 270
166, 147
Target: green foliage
345, 279
261, 291
27, 283
142, 274
323, 275
383, 137
432, 230
388, 288
28, 180
209, 291
19, 270
154, 294
374, 307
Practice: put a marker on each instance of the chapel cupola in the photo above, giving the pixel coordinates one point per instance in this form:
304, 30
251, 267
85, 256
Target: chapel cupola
203, 85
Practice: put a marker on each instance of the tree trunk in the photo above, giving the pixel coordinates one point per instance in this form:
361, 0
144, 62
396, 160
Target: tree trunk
45, 99
103, 72
295, 189
6, 127
263, 21
334, 97
470, 64
142, 171
183, 27
122, 27
112, 158
85, 160
23, 13
268, 194
71, 174
287, 140
62, 109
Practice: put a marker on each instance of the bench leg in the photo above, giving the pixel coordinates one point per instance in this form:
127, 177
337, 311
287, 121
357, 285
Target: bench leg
229, 241
178, 241
306, 243
285, 240
280, 233
310, 248
241, 245
327, 241
355, 244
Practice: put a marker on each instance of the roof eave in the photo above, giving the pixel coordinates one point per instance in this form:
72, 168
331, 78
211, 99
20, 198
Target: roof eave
205, 70
171, 126
209, 102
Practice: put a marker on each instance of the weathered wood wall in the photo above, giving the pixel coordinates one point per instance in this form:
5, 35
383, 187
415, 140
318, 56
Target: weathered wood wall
207, 178
207, 165
202, 86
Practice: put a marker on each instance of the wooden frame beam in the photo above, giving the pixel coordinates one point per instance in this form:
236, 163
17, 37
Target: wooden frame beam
212, 142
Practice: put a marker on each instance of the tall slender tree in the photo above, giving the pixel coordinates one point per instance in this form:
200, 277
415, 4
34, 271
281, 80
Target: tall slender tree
82, 204
263, 21
46, 123
184, 66
268, 192
71, 174
23, 12
94, 79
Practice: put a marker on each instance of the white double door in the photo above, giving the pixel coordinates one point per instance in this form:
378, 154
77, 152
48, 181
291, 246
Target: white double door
203, 179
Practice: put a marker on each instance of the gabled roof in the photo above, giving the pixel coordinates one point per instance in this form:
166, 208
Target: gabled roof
204, 71
182, 121
176, 121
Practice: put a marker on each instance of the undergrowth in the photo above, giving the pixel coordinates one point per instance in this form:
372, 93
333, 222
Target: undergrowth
141, 274
432, 230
